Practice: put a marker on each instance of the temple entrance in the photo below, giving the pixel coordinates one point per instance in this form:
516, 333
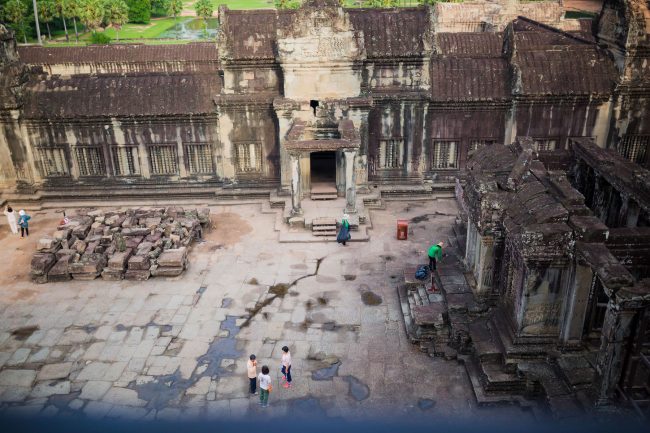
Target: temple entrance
322, 167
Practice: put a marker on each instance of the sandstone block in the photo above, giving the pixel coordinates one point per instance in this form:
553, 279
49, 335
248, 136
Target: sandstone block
167, 271
65, 252
112, 274
47, 243
137, 275
79, 246
60, 271
173, 257
81, 231
139, 262
42, 263
151, 223
118, 260
154, 237
133, 241
136, 231
62, 234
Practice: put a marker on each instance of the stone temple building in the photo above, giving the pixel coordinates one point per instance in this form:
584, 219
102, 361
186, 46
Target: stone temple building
539, 124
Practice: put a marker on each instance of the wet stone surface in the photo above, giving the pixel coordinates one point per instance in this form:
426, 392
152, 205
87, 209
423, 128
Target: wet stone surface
177, 347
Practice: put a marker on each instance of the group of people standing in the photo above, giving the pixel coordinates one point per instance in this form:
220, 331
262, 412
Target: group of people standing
22, 221
264, 377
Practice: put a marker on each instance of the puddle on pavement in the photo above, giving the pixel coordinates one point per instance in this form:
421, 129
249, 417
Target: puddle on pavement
420, 218
279, 289
253, 282
322, 300
226, 302
167, 389
326, 373
24, 333
371, 298
387, 258
426, 403
349, 277
358, 390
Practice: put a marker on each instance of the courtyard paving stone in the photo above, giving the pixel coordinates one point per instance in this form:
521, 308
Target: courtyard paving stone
158, 350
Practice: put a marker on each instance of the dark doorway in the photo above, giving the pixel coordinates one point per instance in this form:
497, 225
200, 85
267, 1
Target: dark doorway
323, 167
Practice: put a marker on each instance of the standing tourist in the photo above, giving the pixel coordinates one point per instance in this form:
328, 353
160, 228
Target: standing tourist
344, 232
265, 386
252, 374
435, 254
11, 219
286, 367
23, 223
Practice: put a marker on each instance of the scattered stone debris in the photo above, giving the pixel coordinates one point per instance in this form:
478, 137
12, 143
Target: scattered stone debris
132, 244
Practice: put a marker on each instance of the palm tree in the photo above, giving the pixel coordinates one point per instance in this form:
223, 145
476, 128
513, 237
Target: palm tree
91, 13
38, 28
204, 9
116, 13
46, 13
72, 11
175, 7
61, 10
14, 12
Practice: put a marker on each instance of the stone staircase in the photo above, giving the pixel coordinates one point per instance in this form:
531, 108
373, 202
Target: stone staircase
323, 192
323, 227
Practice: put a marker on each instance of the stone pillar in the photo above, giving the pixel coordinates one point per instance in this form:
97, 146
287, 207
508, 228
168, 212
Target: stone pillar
295, 184
350, 182
616, 332
575, 309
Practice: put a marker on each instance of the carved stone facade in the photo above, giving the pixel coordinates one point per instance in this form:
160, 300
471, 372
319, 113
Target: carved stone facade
421, 89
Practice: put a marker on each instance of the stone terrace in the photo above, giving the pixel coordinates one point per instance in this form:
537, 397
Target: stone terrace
177, 347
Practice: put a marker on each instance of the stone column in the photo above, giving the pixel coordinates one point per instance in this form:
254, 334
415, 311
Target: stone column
350, 182
616, 332
295, 184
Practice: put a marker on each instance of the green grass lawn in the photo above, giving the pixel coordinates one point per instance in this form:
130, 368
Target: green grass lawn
142, 31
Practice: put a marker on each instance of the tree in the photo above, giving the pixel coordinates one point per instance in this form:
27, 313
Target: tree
46, 13
116, 13
175, 7
72, 11
204, 10
91, 13
160, 6
139, 11
14, 12
61, 10
38, 28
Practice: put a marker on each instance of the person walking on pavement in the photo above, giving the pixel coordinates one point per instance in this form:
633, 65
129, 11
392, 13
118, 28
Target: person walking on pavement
252, 374
286, 367
23, 223
265, 386
11, 219
344, 231
435, 254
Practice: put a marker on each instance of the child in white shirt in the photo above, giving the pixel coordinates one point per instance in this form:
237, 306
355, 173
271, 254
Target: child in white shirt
265, 386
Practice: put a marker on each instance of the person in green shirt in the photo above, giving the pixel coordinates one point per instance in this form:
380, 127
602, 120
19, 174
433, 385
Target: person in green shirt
435, 254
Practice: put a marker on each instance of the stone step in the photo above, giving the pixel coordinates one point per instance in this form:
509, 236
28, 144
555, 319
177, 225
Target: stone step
323, 221
325, 233
324, 196
323, 227
323, 189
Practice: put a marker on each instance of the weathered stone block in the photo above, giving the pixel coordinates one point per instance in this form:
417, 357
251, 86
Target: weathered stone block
65, 252
173, 257
151, 223
139, 262
166, 271
137, 275
204, 215
133, 241
112, 274
48, 244
79, 246
60, 271
81, 231
62, 234
136, 231
42, 263
118, 260
154, 237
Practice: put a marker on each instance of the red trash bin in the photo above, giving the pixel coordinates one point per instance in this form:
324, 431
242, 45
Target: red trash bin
402, 230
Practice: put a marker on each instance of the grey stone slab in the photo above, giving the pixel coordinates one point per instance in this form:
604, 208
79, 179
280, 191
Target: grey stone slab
17, 377
123, 396
49, 388
95, 389
54, 371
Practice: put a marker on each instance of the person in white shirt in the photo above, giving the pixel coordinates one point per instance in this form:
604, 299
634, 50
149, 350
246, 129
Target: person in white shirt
11, 219
265, 386
252, 374
286, 367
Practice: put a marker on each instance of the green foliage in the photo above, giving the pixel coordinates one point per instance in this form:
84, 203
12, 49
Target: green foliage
116, 13
14, 12
100, 39
139, 11
175, 7
91, 13
47, 10
204, 9
287, 4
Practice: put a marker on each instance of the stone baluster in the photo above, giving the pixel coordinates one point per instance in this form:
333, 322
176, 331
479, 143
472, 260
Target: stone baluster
295, 184
350, 182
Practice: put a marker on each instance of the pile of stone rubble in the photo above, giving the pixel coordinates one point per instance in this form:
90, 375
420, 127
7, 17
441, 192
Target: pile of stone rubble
133, 244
